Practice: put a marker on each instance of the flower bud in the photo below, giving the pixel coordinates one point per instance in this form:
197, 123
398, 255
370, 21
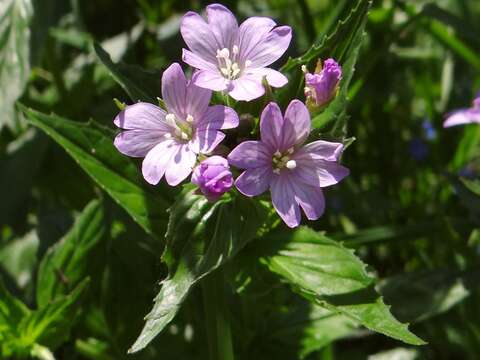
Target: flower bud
322, 86
213, 177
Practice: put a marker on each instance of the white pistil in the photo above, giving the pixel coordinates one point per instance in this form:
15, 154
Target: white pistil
291, 164
184, 136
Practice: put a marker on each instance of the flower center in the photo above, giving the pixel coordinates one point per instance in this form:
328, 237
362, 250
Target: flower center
228, 63
182, 130
281, 161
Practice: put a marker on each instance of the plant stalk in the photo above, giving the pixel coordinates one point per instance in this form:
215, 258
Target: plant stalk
216, 317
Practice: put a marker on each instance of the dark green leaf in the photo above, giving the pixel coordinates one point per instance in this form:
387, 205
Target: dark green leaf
92, 147
330, 275
140, 85
50, 325
70, 261
201, 236
15, 16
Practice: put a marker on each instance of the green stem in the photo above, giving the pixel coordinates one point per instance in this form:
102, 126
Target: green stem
218, 327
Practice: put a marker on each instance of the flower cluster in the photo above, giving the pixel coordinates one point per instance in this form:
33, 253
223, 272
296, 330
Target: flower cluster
180, 138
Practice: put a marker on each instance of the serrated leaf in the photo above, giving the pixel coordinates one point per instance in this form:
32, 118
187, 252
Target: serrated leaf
69, 261
201, 237
92, 148
15, 16
335, 44
331, 276
139, 84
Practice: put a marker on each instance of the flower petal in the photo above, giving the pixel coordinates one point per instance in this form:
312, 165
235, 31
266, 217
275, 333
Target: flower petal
296, 125
461, 117
199, 37
320, 149
141, 116
250, 155
271, 48
174, 89
223, 25
274, 77
253, 182
137, 143
208, 79
271, 126
218, 117
197, 61
246, 88
251, 32
206, 140
283, 199
319, 173
310, 199
157, 160
197, 101
180, 165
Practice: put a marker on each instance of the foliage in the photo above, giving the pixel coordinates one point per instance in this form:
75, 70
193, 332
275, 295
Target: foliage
97, 264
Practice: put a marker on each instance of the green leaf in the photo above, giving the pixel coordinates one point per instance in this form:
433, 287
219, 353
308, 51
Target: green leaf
336, 44
92, 148
50, 325
331, 276
201, 237
12, 310
15, 16
310, 328
140, 84
70, 260
420, 296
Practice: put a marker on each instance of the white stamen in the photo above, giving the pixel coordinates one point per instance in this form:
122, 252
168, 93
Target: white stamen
277, 154
167, 135
225, 71
248, 63
291, 164
189, 118
276, 171
235, 49
170, 118
184, 136
290, 151
224, 53
304, 69
285, 159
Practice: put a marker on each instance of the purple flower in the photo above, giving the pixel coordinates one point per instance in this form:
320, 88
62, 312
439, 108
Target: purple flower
294, 173
213, 177
464, 116
233, 58
321, 87
170, 140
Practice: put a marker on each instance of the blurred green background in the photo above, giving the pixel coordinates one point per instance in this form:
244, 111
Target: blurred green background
411, 207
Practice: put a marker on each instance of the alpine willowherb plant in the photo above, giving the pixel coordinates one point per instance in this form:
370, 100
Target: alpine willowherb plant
234, 58
294, 172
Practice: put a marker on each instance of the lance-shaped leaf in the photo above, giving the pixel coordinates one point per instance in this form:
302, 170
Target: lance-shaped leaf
70, 260
92, 148
15, 16
200, 238
139, 84
331, 276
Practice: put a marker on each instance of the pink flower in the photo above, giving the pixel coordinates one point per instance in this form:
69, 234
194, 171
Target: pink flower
465, 116
233, 58
213, 177
294, 173
321, 87
170, 140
